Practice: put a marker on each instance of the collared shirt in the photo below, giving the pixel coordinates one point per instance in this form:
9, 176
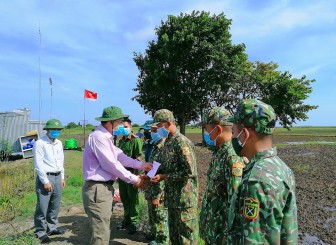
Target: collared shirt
103, 161
263, 209
48, 158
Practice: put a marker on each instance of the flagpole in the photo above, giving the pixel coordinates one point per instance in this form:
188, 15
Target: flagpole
84, 121
51, 95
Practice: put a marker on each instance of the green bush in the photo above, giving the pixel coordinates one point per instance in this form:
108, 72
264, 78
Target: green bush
5, 150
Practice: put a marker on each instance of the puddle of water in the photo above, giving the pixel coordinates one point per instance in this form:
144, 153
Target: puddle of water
305, 142
307, 154
328, 222
329, 209
307, 239
294, 143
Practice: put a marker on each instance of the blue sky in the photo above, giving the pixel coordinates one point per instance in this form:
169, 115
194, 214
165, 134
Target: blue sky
89, 45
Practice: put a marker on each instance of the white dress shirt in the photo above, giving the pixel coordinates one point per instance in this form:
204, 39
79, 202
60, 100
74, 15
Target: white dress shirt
48, 158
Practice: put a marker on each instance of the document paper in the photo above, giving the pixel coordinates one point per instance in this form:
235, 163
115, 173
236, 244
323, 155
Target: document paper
153, 171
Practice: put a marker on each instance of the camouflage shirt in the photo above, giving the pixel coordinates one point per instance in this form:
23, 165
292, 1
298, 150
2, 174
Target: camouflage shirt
221, 184
263, 209
156, 190
179, 165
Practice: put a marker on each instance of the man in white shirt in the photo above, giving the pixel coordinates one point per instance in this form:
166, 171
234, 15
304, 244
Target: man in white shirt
48, 164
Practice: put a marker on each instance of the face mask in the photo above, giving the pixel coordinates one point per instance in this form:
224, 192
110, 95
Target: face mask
163, 132
155, 137
236, 144
207, 139
119, 130
126, 131
54, 133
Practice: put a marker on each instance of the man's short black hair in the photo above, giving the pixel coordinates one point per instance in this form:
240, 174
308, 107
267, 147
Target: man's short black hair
128, 121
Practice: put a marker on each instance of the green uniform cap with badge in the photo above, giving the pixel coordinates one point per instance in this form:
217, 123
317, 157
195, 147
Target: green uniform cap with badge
163, 115
53, 124
217, 116
111, 113
255, 114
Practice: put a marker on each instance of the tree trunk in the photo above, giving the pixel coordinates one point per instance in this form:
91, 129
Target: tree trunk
203, 141
183, 123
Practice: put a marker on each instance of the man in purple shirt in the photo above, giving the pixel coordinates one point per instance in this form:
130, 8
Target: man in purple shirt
103, 163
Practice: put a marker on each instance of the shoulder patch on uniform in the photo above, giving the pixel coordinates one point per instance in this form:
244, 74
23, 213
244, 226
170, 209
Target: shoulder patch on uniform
251, 208
237, 169
186, 150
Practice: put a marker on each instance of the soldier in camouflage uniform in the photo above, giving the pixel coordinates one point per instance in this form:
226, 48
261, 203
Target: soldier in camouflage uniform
180, 176
157, 212
224, 174
263, 209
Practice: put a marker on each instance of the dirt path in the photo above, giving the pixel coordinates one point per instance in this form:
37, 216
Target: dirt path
74, 220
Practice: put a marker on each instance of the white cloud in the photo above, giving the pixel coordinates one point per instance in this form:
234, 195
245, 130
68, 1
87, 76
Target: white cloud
147, 33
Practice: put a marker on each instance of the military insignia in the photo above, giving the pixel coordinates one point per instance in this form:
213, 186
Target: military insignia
56, 123
237, 169
186, 150
251, 208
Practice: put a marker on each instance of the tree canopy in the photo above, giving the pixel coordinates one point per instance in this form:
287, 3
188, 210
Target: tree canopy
193, 66
192, 56
279, 89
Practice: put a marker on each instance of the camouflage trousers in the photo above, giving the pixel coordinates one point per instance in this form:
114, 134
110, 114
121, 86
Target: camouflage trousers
183, 226
158, 221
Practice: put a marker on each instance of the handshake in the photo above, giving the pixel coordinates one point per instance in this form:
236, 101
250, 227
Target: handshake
144, 180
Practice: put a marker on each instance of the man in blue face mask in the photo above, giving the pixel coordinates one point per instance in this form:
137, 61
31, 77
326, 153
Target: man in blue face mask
263, 209
48, 163
224, 174
131, 145
179, 172
157, 212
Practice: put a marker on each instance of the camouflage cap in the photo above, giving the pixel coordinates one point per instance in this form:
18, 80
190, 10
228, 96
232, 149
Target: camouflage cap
217, 116
163, 115
255, 114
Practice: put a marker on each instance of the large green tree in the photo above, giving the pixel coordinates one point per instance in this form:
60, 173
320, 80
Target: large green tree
192, 57
263, 81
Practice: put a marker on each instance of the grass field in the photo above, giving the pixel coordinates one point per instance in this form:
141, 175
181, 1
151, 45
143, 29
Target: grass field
318, 131
17, 179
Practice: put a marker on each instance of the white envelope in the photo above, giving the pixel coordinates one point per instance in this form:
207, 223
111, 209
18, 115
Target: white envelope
153, 171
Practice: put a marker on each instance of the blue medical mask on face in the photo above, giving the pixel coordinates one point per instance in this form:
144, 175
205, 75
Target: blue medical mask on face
126, 131
155, 137
54, 133
207, 139
163, 132
119, 130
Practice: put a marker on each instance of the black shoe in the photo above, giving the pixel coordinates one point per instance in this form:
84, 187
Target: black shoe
122, 226
44, 239
149, 236
132, 229
57, 231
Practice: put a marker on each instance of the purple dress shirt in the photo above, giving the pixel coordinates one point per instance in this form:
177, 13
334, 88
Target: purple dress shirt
103, 161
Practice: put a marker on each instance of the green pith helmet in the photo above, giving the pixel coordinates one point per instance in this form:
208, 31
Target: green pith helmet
111, 113
53, 124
